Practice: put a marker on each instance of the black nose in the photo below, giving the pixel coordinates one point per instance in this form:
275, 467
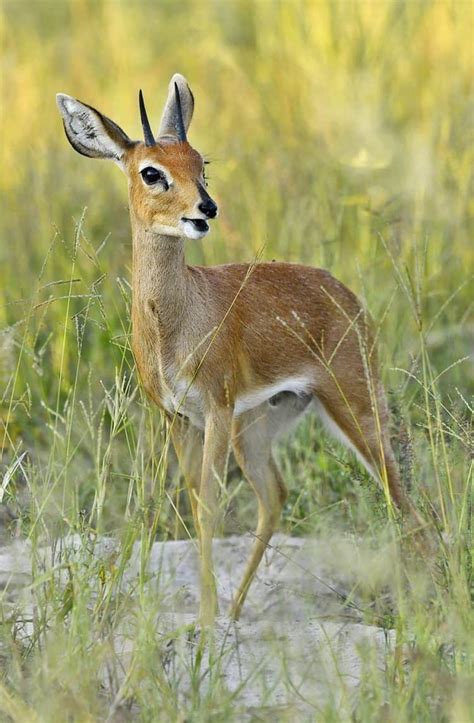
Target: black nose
208, 207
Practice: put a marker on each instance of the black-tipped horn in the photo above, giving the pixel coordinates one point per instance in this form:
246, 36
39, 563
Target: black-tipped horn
147, 132
179, 123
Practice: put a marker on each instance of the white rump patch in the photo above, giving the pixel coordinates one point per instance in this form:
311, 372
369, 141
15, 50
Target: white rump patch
296, 385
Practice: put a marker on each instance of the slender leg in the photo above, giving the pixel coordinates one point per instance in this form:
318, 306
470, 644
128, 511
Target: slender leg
187, 442
252, 436
361, 421
216, 451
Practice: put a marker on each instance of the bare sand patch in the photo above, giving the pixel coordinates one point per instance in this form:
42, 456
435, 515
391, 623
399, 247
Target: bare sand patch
300, 645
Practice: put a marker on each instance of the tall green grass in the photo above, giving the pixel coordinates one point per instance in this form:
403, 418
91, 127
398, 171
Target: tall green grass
339, 134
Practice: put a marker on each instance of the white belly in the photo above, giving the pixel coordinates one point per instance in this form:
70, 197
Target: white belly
297, 385
184, 398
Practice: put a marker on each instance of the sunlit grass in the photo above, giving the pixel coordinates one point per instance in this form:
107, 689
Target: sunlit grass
339, 134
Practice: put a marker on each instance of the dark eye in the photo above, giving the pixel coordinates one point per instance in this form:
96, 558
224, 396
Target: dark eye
152, 176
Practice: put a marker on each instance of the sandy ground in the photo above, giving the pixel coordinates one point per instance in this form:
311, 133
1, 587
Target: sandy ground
300, 643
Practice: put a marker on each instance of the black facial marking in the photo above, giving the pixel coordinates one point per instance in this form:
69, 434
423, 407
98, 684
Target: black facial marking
207, 205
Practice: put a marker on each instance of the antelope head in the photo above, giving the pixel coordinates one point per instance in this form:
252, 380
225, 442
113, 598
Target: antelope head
166, 181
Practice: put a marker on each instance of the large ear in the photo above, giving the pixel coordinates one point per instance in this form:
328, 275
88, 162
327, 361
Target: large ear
91, 133
170, 121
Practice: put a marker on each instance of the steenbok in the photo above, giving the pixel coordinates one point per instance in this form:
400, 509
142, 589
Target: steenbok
233, 354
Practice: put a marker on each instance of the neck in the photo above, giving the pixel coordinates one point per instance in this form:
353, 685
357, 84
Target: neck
159, 275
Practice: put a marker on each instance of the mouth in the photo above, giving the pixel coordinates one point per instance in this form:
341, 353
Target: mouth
194, 228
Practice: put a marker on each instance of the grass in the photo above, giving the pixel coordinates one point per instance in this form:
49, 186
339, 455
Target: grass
340, 135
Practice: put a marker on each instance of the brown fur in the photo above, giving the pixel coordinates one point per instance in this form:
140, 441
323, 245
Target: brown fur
205, 337
187, 167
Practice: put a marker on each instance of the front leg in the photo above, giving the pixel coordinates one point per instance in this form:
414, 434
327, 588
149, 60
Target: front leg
216, 451
187, 442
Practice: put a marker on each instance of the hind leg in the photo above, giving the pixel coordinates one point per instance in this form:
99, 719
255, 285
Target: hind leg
252, 449
359, 418
252, 437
